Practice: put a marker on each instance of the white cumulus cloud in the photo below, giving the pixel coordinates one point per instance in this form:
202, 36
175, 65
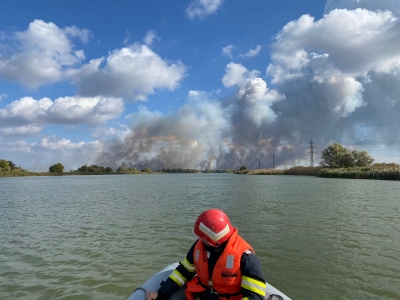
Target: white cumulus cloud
234, 74
131, 73
40, 55
352, 42
203, 8
228, 50
252, 52
20, 131
111, 132
375, 5
253, 91
65, 110
150, 37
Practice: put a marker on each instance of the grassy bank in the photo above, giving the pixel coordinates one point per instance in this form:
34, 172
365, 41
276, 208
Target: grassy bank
373, 172
304, 171
377, 172
21, 173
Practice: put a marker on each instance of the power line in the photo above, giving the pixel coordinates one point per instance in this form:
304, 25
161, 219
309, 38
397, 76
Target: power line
311, 153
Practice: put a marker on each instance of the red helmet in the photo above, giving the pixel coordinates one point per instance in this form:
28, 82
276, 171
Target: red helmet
213, 227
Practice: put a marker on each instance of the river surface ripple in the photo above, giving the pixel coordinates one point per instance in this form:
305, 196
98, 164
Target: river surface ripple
100, 237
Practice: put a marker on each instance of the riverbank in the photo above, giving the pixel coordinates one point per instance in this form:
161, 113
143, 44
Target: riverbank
304, 171
22, 173
376, 172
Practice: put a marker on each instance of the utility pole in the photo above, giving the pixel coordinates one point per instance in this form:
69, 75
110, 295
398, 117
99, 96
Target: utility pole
259, 164
311, 153
273, 161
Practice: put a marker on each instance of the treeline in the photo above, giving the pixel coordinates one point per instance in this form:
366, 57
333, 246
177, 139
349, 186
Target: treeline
336, 162
9, 169
164, 170
132, 170
94, 169
8, 165
339, 162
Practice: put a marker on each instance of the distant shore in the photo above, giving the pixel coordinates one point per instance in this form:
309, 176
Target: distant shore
23, 173
377, 172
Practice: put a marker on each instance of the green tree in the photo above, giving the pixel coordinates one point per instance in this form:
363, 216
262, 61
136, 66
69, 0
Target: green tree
146, 170
57, 168
243, 168
12, 165
4, 165
133, 170
122, 170
361, 158
109, 170
83, 169
94, 169
337, 156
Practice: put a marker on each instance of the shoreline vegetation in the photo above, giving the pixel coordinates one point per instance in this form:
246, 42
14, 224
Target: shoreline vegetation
336, 162
58, 170
377, 172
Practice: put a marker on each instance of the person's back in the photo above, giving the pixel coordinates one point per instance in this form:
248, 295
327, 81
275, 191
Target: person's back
220, 264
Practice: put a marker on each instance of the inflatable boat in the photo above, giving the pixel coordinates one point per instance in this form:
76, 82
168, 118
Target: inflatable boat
154, 283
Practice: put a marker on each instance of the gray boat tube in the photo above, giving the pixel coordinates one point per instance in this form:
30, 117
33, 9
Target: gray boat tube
153, 284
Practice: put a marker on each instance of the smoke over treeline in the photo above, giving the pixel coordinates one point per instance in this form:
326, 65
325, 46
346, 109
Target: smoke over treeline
335, 79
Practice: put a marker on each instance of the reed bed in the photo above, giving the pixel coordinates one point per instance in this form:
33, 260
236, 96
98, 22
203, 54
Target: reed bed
373, 172
264, 172
17, 173
304, 171
21, 173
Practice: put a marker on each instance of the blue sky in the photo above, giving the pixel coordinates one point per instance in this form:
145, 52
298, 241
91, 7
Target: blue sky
197, 84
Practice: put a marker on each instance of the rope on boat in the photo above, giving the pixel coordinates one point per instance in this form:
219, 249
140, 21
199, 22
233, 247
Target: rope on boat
273, 297
140, 288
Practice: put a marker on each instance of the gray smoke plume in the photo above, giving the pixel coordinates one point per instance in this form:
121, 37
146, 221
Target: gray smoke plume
335, 80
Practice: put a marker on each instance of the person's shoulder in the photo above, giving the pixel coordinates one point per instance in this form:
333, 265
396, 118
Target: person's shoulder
248, 252
193, 246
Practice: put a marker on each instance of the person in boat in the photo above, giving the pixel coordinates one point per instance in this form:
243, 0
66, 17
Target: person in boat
219, 265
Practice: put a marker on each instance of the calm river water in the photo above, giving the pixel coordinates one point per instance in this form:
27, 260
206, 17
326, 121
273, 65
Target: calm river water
100, 237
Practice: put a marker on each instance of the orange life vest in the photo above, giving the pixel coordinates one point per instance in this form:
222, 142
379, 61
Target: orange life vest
226, 276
